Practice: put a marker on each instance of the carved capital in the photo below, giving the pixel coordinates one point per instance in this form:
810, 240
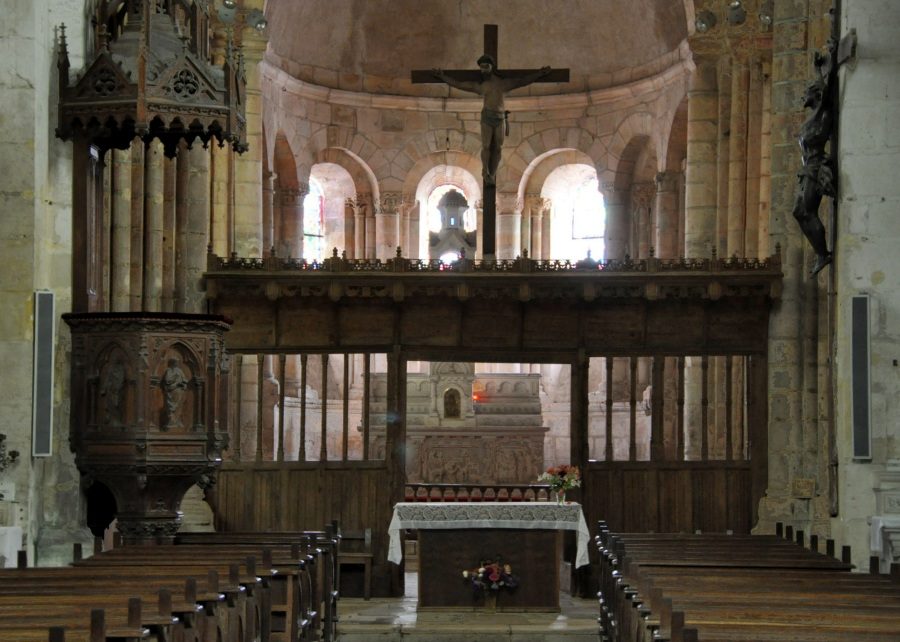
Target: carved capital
390, 202
508, 202
290, 197
667, 181
536, 203
642, 195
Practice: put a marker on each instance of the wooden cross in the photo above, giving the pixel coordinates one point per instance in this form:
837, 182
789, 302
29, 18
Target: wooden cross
489, 218
490, 48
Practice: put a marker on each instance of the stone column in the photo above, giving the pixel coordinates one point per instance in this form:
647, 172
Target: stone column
120, 278
479, 229
153, 231
415, 238
194, 234
221, 200
617, 227
722, 155
701, 173
170, 189
738, 163
796, 432
349, 229
546, 222
359, 228
509, 225
289, 234
334, 212
368, 202
643, 198
531, 233
666, 229
136, 268
387, 220
248, 231
268, 213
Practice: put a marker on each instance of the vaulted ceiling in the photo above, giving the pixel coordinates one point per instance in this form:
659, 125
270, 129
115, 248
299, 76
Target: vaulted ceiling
371, 45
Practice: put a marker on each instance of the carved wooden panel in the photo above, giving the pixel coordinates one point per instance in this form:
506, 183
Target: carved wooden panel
494, 324
147, 391
551, 325
431, 323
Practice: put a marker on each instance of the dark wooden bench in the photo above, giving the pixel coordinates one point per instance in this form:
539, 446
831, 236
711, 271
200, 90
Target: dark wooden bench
737, 587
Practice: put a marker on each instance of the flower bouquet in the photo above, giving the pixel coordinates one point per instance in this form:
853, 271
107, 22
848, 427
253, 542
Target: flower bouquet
491, 576
560, 479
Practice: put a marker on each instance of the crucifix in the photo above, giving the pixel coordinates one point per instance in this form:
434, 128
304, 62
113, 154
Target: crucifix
493, 84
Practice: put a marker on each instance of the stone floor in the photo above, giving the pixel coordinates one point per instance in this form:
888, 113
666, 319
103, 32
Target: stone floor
390, 619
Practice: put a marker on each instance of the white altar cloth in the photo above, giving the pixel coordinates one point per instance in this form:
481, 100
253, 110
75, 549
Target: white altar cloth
524, 515
880, 540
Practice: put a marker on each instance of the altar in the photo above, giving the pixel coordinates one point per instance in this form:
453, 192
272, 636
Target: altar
457, 537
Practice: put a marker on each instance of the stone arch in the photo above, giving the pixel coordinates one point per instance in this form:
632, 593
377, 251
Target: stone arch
675, 148
283, 163
338, 185
363, 178
461, 178
541, 166
358, 148
468, 163
515, 164
398, 173
631, 136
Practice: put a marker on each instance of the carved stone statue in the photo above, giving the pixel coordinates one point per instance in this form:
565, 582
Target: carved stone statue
492, 86
816, 177
174, 382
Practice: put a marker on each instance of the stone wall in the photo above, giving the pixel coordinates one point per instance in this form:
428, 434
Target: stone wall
42, 495
867, 260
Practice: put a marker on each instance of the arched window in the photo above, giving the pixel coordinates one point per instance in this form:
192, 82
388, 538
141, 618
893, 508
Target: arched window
578, 226
314, 222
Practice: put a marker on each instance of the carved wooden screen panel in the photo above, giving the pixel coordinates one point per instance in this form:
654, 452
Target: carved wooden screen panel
306, 407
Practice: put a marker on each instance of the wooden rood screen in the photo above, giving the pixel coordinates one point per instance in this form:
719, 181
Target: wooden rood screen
668, 381
674, 431
303, 407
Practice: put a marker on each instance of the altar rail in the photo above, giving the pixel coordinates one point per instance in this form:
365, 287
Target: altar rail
477, 493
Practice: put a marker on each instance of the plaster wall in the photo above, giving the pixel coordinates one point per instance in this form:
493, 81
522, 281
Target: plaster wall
867, 261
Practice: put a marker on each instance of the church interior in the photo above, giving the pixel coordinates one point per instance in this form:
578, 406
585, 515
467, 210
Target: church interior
263, 275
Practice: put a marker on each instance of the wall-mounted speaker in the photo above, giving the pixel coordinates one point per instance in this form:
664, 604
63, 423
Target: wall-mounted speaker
44, 347
860, 377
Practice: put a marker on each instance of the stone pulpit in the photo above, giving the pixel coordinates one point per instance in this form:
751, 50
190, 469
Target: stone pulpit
149, 409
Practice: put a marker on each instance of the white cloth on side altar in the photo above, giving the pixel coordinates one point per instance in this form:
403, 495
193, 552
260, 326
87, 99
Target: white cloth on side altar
524, 515
878, 543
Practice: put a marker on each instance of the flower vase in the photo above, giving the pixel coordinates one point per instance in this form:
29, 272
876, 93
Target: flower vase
490, 601
560, 497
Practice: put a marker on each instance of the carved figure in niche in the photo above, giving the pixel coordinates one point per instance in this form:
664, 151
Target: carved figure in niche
451, 404
112, 391
493, 115
174, 382
816, 178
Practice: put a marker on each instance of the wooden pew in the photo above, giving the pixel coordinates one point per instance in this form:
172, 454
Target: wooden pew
726, 587
39, 597
321, 549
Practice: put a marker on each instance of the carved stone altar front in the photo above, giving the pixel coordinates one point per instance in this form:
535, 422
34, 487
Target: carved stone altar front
467, 428
149, 410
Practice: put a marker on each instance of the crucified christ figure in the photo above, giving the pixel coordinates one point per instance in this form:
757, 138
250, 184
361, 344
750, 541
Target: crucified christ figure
493, 87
